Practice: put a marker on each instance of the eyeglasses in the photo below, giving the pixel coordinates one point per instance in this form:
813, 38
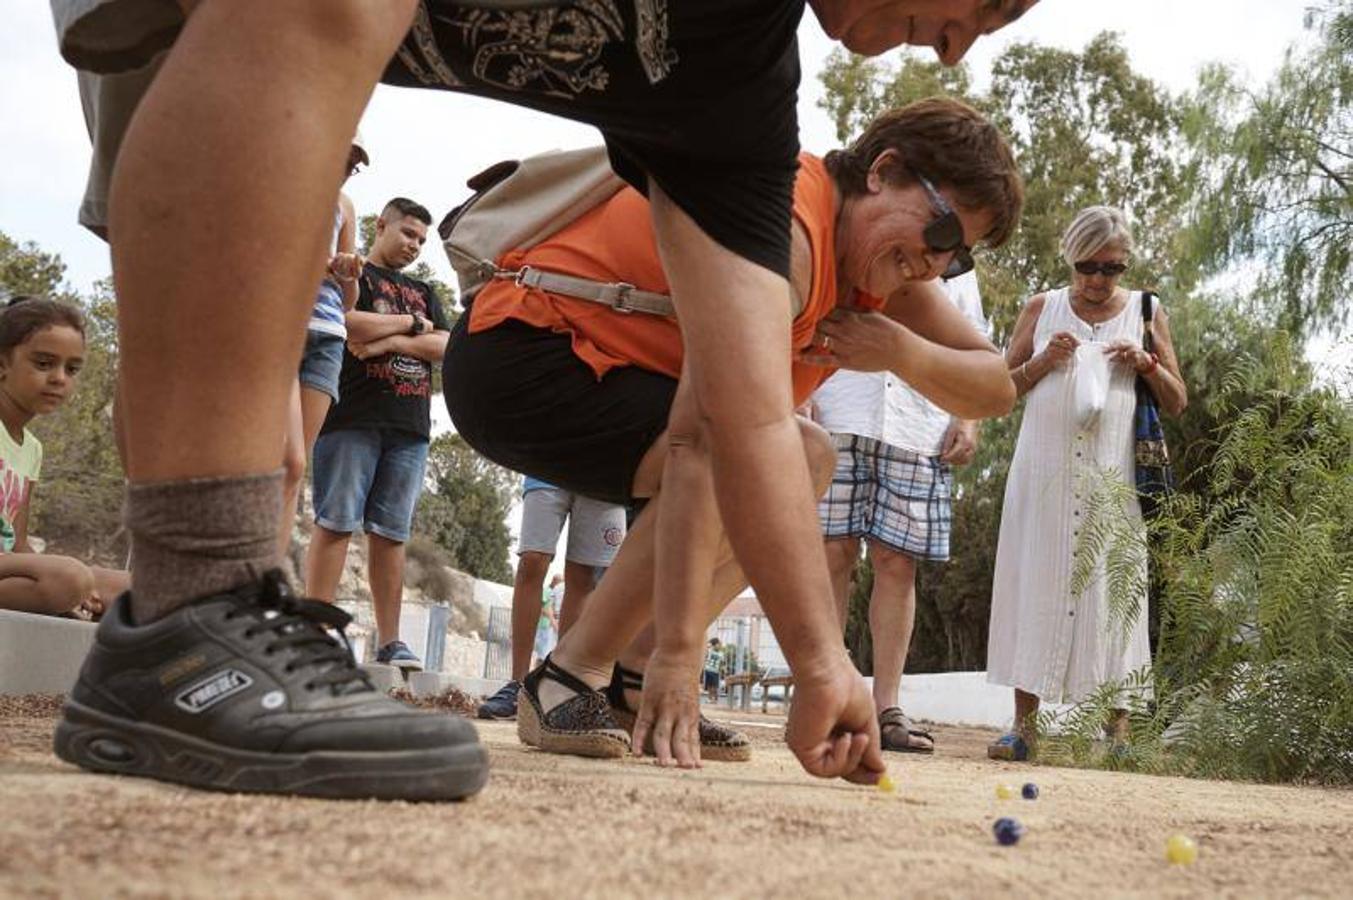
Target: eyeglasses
1108, 269
944, 233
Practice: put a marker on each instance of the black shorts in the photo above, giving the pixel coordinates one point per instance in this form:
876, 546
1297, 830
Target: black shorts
520, 396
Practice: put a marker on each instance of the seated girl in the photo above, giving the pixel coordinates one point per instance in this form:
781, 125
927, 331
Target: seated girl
42, 347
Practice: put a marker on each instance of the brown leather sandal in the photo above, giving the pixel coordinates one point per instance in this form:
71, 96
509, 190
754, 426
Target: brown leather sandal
899, 734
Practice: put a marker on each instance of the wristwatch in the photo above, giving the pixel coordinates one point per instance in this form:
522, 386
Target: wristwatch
419, 325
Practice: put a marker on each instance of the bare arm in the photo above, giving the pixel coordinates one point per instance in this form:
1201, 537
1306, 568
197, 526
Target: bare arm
21, 544
429, 347
347, 244
1026, 367
1166, 381
365, 327
735, 322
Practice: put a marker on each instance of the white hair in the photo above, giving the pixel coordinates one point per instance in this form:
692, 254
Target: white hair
1093, 229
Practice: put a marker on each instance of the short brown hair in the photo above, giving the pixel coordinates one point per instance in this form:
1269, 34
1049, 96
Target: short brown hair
949, 143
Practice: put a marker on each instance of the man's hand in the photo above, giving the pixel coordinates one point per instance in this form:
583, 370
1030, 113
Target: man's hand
960, 442
670, 710
853, 339
833, 729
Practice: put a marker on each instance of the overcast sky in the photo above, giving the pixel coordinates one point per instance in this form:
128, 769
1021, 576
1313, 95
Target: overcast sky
424, 144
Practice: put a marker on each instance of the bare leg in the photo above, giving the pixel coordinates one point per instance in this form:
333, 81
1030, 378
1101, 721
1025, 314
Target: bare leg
532, 567
238, 145
271, 126
324, 561
293, 469
579, 580
622, 604
892, 612
1026, 715
109, 583
842, 554
385, 559
314, 407
52, 585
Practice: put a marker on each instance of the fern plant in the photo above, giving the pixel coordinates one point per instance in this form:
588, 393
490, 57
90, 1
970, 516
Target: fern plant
1253, 672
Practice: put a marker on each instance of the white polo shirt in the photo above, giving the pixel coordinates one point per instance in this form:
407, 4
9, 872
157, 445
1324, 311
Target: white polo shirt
881, 406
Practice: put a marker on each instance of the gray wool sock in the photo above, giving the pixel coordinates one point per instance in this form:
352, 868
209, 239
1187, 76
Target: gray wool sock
199, 536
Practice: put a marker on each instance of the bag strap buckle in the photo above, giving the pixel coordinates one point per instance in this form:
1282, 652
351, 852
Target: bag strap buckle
620, 291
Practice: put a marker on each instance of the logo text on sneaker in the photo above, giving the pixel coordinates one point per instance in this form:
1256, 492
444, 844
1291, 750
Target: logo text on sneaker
206, 694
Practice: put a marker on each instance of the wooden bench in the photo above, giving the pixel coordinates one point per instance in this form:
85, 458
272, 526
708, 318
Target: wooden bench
784, 681
744, 680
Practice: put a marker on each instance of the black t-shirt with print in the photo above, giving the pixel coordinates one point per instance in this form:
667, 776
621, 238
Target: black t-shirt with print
392, 392
698, 94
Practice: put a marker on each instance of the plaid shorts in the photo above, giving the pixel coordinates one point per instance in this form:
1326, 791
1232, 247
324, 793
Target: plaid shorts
886, 494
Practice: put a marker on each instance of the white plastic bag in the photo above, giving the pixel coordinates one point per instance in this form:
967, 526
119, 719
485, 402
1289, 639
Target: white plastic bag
1090, 384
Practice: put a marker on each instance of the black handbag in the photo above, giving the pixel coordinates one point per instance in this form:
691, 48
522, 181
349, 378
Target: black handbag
1154, 474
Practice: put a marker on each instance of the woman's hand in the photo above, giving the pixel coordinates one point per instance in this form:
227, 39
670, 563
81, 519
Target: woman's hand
670, 709
1060, 349
1130, 353
833, 728
346, 266
858, 340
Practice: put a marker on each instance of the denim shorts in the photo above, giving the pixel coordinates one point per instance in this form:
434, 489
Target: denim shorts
322, 362
368, 479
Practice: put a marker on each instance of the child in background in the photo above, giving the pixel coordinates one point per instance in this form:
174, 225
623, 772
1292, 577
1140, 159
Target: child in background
42, 347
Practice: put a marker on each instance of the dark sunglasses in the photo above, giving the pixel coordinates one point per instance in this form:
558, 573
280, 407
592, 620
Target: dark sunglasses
1108, 269
944, 233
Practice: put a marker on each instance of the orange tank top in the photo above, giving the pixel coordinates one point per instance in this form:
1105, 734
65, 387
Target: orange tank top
615, 242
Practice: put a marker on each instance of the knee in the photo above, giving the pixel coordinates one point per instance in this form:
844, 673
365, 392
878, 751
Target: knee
293, 467
842, 553
533, 566
817, 444
66, 584
890, 563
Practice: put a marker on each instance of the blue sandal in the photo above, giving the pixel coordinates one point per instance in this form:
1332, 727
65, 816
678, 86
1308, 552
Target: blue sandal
1009, 747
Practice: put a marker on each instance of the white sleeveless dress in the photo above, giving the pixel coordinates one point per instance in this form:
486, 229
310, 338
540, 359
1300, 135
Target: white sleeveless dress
1043, 639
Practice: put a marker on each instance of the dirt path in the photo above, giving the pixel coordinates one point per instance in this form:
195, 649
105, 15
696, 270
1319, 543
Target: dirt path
559, 827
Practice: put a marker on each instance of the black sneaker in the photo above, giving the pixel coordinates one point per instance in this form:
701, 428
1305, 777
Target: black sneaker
248, 691
503, 704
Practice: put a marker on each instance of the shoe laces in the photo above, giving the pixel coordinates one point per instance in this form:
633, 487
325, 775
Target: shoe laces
302, 626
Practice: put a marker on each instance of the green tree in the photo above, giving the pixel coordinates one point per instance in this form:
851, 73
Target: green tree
466, 507
1278, 164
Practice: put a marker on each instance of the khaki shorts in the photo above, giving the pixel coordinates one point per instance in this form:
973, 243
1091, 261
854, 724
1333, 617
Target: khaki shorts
117, 46
595, 529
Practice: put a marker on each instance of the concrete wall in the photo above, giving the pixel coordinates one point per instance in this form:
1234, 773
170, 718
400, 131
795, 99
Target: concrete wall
41, 654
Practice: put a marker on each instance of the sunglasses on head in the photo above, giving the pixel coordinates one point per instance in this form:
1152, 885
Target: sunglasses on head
944, 233
1109, 269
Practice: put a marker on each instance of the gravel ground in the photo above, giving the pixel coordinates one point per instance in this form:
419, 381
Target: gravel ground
560, 827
